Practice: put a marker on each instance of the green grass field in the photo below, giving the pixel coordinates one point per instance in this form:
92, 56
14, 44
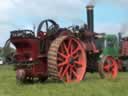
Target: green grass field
91, 86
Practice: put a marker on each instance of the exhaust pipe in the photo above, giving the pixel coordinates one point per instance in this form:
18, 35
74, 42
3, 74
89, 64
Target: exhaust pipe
90, 18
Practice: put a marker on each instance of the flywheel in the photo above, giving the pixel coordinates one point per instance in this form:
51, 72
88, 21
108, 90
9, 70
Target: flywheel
67, 59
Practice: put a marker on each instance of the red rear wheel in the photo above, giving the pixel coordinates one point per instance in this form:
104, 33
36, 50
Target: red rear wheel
70, 59
108, 67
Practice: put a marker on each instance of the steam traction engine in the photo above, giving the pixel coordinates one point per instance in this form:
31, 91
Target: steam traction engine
57, 52
123, 58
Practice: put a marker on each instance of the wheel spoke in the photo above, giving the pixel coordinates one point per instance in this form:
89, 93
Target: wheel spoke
71, 49
106, 67
74, 72
75, 51
113, 64
62, 64
68, 78
78, 63
60, 59
60, 71
70, 46
62, 55
70, 72
65, 47
65, 70
46, 26
76, 56
70, 43
113, 71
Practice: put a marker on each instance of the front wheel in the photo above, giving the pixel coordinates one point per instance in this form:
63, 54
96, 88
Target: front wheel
20, 75
108, 67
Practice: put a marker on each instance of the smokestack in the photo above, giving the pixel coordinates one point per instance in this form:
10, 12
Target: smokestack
90, 17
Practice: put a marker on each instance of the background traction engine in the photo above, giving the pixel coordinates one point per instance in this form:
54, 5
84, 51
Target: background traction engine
123, 58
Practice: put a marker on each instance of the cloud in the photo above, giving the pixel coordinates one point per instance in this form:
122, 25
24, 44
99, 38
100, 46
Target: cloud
4, 6
108, 28
21, 13
57, 9
122, 3
33, 11
17, 14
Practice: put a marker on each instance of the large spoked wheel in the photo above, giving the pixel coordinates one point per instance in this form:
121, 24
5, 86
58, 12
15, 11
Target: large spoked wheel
108, 67
67, 59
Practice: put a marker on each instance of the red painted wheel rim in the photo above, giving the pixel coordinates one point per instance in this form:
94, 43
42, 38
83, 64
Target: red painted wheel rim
71, 60
110, 68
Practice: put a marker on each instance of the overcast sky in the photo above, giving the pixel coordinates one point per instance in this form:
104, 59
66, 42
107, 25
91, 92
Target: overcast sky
110, 15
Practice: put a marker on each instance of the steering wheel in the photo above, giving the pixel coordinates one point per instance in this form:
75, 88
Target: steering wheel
50, 26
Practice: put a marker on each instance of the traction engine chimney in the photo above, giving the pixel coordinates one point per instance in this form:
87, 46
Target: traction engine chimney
90, 17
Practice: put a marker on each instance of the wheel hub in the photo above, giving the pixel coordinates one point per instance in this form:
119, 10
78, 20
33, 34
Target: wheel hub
71, 60
111, 68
